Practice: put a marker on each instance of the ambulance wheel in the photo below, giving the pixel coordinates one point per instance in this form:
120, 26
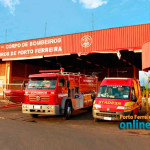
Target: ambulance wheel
68, 110
34, 115
139, 111
95, 120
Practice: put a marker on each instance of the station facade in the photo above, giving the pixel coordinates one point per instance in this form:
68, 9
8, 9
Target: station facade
109, 52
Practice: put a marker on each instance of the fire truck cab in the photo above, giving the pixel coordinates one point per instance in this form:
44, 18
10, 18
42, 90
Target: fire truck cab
116, 97
55, 92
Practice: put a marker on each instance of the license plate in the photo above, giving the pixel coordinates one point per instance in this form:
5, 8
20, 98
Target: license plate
107, 118
37, 107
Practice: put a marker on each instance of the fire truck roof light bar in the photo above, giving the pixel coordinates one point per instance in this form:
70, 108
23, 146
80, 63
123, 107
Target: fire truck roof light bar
52, 71
49, 71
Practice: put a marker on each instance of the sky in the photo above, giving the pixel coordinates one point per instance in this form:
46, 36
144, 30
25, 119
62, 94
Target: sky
143, 78
28, 19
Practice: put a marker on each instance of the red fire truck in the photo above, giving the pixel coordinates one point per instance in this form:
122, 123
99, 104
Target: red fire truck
55, 92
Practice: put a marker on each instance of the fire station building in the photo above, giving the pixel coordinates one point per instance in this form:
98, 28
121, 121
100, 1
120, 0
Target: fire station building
114, 52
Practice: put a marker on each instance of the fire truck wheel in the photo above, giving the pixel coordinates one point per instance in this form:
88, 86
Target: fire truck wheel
68, 111
93, 95
34, 115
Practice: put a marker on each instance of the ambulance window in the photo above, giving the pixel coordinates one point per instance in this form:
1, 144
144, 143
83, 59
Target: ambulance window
133, 96
61, 82
133, 91
114, 92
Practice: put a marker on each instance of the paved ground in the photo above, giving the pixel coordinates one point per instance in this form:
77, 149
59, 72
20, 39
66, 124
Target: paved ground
20, 132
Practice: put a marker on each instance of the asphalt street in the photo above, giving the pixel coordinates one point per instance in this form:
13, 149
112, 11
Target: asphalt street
21, 132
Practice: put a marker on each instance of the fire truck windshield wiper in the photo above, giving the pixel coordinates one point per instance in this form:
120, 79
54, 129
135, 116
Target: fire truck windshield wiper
41, 87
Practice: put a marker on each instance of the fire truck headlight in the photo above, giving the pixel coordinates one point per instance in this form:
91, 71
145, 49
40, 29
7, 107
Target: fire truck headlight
120, 107
96, 106
123, 107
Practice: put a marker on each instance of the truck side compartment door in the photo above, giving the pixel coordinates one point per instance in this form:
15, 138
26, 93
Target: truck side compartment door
62, 89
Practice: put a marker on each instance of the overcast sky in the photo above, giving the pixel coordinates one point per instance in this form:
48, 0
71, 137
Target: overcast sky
27, 19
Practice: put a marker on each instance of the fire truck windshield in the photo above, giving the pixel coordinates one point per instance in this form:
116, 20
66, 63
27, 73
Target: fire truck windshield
42, 83
114, 92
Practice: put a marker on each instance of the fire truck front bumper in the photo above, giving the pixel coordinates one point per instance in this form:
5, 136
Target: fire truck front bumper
41, 109
105, 115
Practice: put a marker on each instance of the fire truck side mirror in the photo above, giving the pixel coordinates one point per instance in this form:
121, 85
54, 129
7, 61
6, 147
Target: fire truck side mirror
68, 83
134, 98
24, 84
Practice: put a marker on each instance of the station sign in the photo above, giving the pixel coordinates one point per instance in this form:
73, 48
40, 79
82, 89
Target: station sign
102, 41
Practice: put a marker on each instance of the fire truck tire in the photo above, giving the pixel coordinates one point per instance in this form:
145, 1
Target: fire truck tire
93, 95
89, 108
68, 110
34, 115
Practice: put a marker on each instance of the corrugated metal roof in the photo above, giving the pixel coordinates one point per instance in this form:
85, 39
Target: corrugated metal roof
100, 41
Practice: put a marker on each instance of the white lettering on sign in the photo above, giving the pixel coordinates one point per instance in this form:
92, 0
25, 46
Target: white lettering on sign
32, 51
13, 53
38, 92
4, 54
88, 81
44, 42
17, 45
25, 44
25, 52
46, 50
33, 43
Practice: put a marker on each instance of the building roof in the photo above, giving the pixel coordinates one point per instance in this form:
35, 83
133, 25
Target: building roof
101, 41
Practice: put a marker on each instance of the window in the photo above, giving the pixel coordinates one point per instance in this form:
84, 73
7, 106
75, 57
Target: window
114, 92
61, 82
42, 83
133, 91
76, 90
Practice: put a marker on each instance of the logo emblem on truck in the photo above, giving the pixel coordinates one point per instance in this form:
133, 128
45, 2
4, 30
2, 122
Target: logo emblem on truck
38, 98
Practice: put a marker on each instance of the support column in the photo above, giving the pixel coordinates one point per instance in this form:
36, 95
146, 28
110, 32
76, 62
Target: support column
135, 72
8, 72
26, 69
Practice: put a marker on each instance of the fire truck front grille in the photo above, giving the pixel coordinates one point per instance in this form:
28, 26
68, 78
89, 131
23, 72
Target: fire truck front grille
43, 98
108, 114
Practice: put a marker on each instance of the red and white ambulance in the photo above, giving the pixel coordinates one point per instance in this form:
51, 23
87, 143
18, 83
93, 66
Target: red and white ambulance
117, 97
55, 92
